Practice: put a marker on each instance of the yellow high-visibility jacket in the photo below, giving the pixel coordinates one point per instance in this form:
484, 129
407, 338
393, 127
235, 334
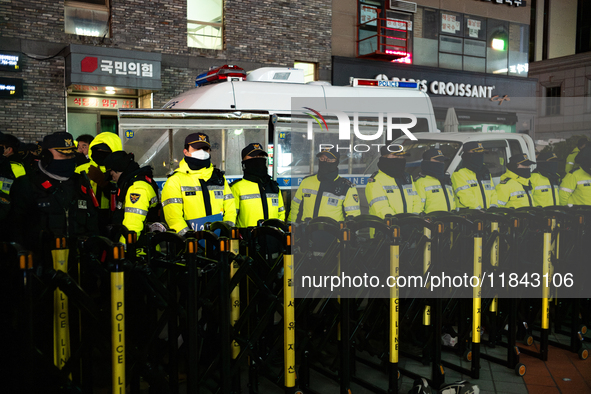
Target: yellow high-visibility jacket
389, 196
140, 197
339, 198
471, 192
114, 142
570, 161
254, 203
514, 191
183, 198
435, 195
544, 193
576, 188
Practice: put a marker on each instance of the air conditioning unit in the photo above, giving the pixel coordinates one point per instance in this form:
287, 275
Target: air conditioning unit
406, 6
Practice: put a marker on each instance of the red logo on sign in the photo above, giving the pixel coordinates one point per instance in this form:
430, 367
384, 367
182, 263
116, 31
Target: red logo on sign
89, 64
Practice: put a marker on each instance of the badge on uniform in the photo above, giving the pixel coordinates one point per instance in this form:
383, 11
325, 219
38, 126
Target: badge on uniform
82, 204
333, 201
134, 197
356, 197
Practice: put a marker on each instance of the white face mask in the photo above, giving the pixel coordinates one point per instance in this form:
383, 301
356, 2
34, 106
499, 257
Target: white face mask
200, 155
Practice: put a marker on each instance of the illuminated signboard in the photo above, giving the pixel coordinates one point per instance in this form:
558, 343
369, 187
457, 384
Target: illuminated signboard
11, 88
100, 102
10, 61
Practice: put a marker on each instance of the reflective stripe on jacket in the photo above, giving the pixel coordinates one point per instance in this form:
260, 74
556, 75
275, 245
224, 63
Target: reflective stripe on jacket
183, 198
250, 207
514, 191
544, 194
576, 188
433, 194
472, 193
385, 197
335, 204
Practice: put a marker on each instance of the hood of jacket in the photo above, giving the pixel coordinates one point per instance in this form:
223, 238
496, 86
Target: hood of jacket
111, 139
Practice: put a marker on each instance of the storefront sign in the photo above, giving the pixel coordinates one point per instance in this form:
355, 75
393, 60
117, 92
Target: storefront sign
448, 88
10, 61
11, 88
516, 3
99, 102
113, 67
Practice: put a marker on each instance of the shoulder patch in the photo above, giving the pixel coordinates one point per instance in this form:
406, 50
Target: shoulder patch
134, 197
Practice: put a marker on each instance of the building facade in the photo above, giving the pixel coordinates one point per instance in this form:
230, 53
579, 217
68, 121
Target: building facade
69, 65
561, 62
470, 55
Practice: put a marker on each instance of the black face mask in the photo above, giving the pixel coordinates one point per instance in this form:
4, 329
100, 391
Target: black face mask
99, 156
64, 168
434, 168
547, 168
392, 167
257, 167
474, 161
523, 172
197, 164
328, 171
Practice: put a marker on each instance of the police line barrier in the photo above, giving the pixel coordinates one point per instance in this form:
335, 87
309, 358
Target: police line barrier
219, 305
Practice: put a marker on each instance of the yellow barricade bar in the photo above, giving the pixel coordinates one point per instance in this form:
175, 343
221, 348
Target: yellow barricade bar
476, 291
289, 320
394, 303
61, 319
118, 332
426, 265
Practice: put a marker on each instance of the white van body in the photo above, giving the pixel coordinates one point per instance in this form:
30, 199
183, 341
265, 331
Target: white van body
508, 143
267, 91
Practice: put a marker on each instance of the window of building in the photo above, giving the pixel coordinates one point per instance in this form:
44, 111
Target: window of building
87, 18
310, 70
583, 43
497, 47
205, 24
553, 100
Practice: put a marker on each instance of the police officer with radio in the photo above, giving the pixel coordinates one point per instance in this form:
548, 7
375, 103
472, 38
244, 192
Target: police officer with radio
137, 192
257, 196
57, 202
545, 181
325, 193
197, 192
575, 188
472, 184
433, 184
391, 190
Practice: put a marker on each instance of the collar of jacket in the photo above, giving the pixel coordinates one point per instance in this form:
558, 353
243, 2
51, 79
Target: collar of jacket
515, 177
203, 173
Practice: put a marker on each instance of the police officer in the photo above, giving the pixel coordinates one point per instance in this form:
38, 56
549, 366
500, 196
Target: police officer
257, 196
325, 193
472, 184
104, 144
514, 189
57, 201
9, 147
545, 181
137, 192
575, 188
7, 181
571, 163
433, 184
391, 189
197, 190
83, 145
